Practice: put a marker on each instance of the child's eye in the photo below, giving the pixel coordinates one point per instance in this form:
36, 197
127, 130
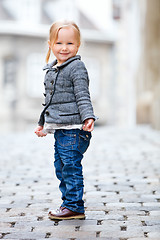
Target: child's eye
70, 43
58, 42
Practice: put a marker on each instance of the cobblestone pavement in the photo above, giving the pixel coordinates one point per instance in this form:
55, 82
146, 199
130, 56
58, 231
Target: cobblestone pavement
122, 187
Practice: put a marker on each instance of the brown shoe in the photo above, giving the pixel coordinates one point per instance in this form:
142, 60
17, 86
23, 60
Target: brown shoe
64, 213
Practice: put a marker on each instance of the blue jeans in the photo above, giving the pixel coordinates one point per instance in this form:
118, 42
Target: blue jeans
70, 146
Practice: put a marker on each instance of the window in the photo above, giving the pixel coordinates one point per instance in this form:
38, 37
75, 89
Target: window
23, 10
9, 81
65, 8
116, 9
9, 71
35, 75
93, 67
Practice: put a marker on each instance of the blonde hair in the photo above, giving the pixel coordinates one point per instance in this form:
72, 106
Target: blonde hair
53, 33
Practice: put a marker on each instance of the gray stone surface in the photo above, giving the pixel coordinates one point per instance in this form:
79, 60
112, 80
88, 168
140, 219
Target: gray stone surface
122, 187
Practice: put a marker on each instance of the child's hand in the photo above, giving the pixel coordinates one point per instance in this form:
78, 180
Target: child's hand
39, 133
88, 125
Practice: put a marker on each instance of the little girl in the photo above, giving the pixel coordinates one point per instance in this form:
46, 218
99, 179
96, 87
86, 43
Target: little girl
68, 113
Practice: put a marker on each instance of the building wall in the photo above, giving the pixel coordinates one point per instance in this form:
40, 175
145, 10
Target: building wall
152, 50
126, 62
148, 81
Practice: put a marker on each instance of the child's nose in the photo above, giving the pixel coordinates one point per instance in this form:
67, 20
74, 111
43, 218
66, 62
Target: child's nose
64, 47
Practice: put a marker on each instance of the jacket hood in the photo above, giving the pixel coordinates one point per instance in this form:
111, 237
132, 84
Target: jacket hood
50, 65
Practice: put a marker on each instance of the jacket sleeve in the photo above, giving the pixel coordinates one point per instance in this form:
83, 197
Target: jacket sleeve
80, 80
41, 119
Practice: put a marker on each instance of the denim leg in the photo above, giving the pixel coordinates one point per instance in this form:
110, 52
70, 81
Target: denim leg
70, 146
73, 177
58, 170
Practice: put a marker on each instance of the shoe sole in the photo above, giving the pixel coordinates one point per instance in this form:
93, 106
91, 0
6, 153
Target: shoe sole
82, 217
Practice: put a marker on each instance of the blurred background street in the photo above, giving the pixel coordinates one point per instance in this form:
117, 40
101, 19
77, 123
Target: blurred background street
121, 50
122, 187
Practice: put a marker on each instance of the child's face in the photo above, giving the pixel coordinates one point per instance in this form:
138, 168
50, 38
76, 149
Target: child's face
66, 45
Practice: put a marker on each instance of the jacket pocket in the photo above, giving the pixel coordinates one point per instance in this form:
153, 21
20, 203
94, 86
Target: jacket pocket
68, 114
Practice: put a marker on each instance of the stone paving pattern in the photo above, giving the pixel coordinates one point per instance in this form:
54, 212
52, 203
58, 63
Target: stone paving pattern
122, 187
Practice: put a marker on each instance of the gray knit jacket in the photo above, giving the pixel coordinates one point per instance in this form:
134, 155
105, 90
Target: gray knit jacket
68, 83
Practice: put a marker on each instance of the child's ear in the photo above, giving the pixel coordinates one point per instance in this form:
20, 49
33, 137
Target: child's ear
78, 47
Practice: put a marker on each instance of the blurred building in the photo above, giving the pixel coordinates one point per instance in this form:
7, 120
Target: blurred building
24, 28
138, 58
120, 50
148, 78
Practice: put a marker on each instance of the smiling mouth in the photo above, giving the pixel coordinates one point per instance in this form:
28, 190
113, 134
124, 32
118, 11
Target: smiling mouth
64, 53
